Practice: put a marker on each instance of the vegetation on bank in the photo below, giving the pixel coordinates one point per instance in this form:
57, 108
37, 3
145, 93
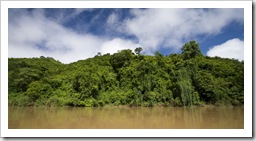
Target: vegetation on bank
127, 78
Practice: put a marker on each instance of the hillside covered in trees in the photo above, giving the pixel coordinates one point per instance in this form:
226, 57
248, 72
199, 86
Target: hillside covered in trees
127, 78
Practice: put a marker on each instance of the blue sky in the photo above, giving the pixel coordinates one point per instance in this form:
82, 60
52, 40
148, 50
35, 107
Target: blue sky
69, 35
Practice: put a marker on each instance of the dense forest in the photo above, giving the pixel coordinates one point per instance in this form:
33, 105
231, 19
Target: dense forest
128, 78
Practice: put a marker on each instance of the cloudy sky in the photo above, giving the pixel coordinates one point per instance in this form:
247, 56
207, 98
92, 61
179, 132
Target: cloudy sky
69, 35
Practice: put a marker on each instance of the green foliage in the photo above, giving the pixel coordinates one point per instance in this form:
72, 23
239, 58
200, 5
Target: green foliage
124, 78
117, 60
191, 50
138, 50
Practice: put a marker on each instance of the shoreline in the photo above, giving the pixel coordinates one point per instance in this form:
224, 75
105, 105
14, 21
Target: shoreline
127, 106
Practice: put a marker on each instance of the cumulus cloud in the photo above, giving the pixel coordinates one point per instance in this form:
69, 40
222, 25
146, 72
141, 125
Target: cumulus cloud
233, 49
33, 35
36, 33
171, 28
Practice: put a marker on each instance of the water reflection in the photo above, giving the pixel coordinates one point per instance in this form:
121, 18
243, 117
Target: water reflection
126, 117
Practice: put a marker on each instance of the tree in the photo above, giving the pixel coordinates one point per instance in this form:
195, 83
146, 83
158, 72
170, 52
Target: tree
99, 54
191, 50
117, 60
138, 50
127, 79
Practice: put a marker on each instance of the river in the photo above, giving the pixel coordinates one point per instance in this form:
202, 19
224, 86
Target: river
126, 118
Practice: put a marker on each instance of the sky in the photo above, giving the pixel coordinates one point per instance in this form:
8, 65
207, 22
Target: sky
69, 35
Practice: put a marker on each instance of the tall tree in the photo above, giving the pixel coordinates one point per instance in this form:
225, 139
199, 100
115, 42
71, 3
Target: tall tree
191, 50
138, 50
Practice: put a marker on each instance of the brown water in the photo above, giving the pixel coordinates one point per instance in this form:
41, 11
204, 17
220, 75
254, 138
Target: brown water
126, 117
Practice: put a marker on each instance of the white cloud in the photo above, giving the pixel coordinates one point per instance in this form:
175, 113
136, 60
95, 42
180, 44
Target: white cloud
112, 19
28, 32
173, 27
33, 34
117, 44
233, 48
62, 15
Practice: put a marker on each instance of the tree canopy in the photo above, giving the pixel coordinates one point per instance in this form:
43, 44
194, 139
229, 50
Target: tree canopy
191, 50
125, 78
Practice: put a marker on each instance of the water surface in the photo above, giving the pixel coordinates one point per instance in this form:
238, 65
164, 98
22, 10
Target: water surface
126, 118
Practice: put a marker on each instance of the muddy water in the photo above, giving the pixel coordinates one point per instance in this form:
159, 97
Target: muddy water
126, 117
